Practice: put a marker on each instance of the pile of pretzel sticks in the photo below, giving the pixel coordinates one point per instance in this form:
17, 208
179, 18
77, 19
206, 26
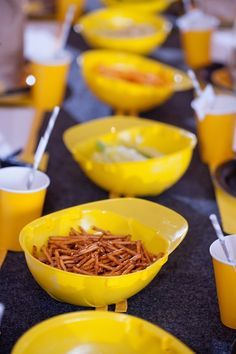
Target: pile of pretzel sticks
95, 253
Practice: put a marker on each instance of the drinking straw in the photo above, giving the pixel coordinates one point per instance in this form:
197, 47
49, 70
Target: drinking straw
220, 235
42, 146
187, 6
65, 29
195, 82
1, 312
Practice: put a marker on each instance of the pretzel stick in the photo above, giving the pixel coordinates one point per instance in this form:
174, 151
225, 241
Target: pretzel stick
95, 253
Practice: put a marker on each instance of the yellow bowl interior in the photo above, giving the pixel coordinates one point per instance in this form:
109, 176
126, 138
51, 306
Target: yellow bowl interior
93, 25
103, 219
92, 332
137, 96
142, 219
166, 141
128, 178
111, 124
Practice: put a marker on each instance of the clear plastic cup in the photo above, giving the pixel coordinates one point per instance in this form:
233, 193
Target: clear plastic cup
216, 130
225, 277
19, 206
196, 29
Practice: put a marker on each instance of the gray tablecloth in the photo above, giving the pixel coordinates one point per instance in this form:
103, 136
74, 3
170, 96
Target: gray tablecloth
182, 298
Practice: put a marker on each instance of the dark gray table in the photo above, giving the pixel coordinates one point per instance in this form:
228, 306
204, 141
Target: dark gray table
182, 298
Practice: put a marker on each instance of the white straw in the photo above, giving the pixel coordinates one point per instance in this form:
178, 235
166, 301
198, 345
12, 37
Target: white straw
195, 82
1, 312
42, 146
66, 29
220, 235
187, 6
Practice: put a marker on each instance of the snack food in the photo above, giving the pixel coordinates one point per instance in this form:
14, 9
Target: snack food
132, 75
123, 153
118, 153
129, 31
98, 252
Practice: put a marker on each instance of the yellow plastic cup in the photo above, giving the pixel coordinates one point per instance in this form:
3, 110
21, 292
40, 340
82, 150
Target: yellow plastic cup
216, 128
196, 29
19, 206
216, 131
51, 78
197, 47
225, 277
63, 5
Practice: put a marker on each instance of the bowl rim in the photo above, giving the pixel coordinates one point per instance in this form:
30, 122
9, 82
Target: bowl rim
161, 261
134, 119
168, 86
165, 4
191, 143
165, 25
175, 86
89, 315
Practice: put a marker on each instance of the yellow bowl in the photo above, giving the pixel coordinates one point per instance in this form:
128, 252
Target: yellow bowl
126, 95
140, 5
159, 228
95, 25
148, 177
98, 332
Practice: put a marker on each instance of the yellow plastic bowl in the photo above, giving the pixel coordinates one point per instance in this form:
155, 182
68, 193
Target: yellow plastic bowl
149, 177
159, 228
98, 332
92, 25
140, 5
126, 95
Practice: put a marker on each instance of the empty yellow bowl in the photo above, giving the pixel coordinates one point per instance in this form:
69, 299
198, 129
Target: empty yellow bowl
148, 177
159, 228
140, 5
103, 29
90, 332
126, 95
